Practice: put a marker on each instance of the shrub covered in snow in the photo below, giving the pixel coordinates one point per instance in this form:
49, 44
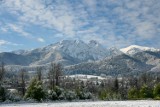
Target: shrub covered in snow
13, 95
70, 95
52, 95
84, 95
60, 93
62, 96
56, 94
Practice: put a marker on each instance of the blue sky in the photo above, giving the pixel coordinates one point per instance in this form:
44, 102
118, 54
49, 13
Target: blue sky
28, 24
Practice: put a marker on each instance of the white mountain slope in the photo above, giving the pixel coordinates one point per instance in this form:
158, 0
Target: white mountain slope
133, 49
74, 50
121, 64
68, 52
79, 57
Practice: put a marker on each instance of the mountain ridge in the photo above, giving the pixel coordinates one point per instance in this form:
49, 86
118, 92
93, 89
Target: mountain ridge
133, 49
67, 50
79, 57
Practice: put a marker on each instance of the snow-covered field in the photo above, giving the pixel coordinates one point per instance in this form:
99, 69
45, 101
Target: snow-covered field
142, 103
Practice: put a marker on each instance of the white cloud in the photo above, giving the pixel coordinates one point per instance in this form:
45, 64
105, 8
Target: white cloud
138, 20
4, 29
3, 42
40, 39
18, 29
36, 12
113, 22
146, 30
91, 4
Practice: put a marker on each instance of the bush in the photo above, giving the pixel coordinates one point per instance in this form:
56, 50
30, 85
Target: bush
103, 95
62, 96
156, 91
35, 90
146, 92
56, 94
13, 95
70, 95
133, 94
84, 95
52, 95
109, 95
2, 94
60, 93
89, 95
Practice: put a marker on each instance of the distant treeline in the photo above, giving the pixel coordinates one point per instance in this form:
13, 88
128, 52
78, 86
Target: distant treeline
55, 86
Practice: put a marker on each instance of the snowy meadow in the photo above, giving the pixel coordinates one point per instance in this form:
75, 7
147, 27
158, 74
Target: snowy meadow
137, 103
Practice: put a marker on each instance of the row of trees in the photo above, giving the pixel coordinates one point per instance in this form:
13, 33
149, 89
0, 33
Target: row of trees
132, 88
51, 87
38, 92
144, 92
55, 89
39, 87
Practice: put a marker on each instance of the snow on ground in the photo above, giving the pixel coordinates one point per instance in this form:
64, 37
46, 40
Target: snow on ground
141, 103
81, 77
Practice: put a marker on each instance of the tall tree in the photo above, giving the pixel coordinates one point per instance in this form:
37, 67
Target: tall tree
55, 71
39, 73
58, 70
22, 81
116, 85
143, 78
2, 72
51, 76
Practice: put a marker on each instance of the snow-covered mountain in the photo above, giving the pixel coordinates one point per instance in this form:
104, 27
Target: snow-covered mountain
115, 51
133, 49
87, 58
117, 65
133, 60
68, 52
71, 52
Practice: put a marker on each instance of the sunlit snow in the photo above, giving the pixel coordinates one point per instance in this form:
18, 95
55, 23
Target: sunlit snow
146, 103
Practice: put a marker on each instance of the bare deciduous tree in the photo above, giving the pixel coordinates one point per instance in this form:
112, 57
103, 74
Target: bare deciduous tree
22, 81
51, 76
39, 73
2, 72
55, 72
58, 70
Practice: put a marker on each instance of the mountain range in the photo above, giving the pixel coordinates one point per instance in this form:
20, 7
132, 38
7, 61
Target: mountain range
88, 58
